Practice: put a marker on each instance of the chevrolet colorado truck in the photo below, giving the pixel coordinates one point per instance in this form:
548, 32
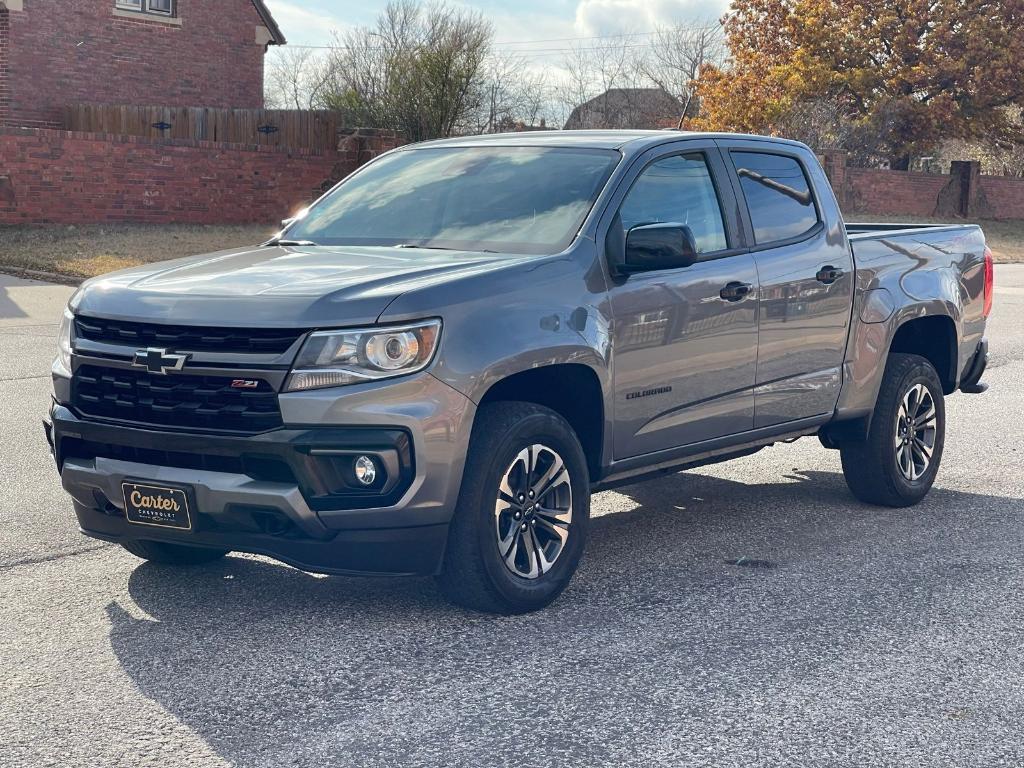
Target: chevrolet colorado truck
431, 369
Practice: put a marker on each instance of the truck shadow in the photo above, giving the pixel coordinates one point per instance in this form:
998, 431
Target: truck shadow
660, 626
9, 308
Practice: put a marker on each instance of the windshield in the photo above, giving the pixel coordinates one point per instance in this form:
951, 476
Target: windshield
529, 200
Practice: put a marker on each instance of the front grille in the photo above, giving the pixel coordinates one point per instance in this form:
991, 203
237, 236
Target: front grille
187, 338
267, 468
202, 402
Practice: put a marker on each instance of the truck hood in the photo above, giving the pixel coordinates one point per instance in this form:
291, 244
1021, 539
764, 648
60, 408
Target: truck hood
278, 286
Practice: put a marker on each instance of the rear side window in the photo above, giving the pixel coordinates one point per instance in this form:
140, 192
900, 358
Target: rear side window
778, 196
677, 190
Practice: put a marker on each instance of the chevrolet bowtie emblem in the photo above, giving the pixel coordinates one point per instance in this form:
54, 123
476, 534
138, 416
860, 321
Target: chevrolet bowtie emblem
159, 360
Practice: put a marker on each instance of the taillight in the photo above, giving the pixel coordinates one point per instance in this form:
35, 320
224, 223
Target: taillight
989, 282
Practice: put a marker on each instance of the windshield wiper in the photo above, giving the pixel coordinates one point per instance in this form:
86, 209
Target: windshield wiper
291, 242
439, 248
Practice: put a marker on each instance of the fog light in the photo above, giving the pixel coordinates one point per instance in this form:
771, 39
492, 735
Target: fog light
366, 470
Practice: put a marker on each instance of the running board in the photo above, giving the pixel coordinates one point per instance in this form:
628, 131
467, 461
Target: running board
626, 471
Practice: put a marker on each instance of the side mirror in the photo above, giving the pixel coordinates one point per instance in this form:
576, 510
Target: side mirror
651, 247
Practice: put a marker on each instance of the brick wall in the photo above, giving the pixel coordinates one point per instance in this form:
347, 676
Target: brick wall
59, 177
5, 92
63, 52
963, 192
357, 146
1004, 196
898, 192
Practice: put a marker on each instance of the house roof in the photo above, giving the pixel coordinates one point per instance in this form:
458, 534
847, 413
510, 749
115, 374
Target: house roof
619, 108
268, 19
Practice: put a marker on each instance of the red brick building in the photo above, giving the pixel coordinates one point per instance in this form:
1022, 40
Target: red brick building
172, 53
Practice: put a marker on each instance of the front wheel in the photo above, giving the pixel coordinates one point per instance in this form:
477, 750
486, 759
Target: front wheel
897, 463
521, 520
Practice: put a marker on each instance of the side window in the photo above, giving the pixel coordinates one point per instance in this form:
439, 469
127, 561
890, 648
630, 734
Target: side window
778, 195
679, 190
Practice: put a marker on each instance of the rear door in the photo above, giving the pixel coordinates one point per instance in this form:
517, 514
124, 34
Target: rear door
805, 268
684, 339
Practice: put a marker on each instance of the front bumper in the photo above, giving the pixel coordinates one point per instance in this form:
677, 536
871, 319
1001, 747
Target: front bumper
270, 493
384, 551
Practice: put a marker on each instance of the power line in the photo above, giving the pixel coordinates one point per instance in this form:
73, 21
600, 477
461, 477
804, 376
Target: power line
568, 39
695, 27
559, 51
498, 45
535, 52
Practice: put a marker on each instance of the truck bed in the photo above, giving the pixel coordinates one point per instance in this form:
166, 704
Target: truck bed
905, 271
869, 230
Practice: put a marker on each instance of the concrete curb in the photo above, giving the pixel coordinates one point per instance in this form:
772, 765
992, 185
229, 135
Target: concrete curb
35, 274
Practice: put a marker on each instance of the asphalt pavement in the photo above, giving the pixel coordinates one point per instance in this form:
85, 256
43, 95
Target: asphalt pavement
848, 635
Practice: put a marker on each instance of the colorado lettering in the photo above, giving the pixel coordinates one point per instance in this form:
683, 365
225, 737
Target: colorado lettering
648, 392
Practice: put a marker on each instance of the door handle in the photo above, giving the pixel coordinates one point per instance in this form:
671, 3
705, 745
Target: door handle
735, 291
829, 274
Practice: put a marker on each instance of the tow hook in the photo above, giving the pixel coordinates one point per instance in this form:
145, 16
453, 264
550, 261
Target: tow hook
48, 429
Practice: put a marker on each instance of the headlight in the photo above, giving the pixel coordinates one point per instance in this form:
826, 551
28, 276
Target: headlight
335, 358
64, 342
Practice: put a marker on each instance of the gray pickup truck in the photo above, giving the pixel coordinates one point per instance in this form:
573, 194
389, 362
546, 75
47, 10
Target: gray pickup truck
434, 366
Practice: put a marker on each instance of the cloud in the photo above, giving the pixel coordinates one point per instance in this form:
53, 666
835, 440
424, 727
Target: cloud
310, 23
609, 17
520, 26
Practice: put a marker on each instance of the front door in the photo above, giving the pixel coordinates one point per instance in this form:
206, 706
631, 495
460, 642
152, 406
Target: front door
806, 272
685, 339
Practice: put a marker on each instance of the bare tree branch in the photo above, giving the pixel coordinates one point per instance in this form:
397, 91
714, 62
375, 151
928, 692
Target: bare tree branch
420, 70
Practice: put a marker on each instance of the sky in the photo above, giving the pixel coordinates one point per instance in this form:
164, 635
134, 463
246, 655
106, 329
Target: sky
516, 24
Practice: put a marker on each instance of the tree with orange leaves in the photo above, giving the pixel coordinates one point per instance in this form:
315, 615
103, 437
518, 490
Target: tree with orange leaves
907, 73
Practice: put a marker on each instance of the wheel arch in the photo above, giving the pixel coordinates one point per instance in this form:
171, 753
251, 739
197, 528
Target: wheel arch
934, 338
573, 390
930, 334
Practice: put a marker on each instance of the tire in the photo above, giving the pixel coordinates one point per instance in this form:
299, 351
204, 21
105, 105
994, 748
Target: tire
172, 554
490, 563
892, 467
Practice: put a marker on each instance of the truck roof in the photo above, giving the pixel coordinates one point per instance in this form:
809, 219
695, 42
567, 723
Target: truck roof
591, 139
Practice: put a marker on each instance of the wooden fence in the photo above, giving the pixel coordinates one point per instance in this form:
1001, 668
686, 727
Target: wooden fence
294, 129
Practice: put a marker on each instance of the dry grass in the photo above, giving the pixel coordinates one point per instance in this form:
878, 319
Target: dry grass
79, 252
1005, 238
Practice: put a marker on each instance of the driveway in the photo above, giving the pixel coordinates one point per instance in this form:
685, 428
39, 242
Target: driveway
849, 635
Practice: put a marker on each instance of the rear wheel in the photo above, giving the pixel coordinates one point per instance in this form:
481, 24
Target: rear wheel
172, 554
897, 463
520, 525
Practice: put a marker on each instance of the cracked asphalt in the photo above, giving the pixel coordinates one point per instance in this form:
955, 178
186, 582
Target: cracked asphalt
860, 636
